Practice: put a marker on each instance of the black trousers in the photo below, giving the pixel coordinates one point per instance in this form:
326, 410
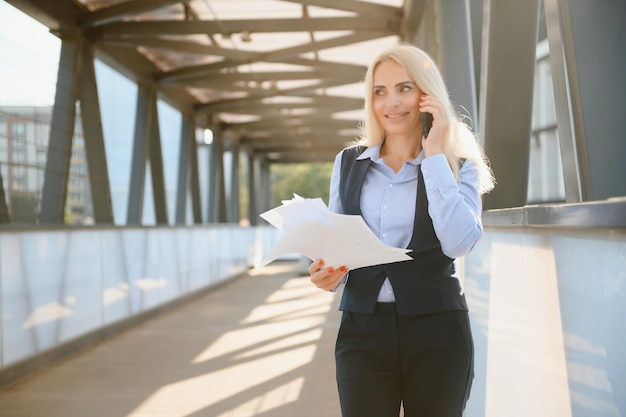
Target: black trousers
423, 363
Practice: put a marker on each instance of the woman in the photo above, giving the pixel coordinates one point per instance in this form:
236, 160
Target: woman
405, 339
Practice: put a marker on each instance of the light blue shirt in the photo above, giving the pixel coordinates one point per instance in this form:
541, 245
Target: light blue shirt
388, 203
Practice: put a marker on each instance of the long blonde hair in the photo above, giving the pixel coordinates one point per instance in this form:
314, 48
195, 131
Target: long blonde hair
460, 142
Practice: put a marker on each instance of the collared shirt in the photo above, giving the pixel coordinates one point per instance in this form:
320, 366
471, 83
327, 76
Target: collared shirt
388, 203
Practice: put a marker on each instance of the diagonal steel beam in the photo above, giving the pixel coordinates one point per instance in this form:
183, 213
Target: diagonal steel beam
235, 59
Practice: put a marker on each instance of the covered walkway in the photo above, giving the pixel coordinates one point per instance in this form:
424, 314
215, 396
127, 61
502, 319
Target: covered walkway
260, 345
130, 201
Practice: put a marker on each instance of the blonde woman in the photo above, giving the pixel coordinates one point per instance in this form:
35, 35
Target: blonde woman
405, 339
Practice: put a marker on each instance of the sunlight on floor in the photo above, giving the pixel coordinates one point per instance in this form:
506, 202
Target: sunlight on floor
258, 361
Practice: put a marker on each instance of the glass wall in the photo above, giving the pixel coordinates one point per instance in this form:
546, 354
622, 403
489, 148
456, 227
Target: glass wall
29, 64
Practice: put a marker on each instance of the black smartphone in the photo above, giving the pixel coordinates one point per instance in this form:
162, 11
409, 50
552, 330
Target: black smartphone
427, 123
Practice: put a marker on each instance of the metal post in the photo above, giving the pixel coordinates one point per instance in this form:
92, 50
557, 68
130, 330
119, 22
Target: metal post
54, 191
94, 141
588, 63
507, 80
141, 146
456, 57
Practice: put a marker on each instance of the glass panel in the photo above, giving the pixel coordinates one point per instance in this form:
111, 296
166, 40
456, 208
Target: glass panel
118, 105
170, 123
28, 70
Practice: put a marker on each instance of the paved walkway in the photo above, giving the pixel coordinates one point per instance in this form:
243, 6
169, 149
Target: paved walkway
261, 345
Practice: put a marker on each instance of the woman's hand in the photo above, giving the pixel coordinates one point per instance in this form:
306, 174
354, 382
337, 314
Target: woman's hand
434, 144
326, 278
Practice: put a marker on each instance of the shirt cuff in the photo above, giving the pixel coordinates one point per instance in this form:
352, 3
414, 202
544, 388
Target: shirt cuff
437, 172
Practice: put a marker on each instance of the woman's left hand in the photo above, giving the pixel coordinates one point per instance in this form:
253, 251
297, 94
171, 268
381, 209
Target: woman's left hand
434, 143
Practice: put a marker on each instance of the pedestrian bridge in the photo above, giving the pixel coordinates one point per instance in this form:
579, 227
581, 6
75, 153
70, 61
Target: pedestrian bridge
173, 315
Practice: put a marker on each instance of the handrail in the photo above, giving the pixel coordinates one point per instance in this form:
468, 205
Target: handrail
609, 214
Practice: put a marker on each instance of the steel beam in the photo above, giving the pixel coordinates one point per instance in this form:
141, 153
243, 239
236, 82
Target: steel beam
156, 166
456, 56
235, 184
217, 191
588, 63
54, 191
4, 209
141, 145
252, 187
204, 27
188, 175
507, 80
184, 154
94, 141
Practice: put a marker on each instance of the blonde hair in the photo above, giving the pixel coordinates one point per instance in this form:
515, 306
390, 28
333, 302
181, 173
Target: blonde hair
460, 142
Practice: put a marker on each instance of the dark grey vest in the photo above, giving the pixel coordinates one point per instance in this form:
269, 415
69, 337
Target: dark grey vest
422, 285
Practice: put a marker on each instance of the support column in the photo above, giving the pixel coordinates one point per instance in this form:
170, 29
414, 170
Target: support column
217, 189
456, 57
188, 175
156, 167
212, 183
4, 209
194, 172
76, 81
54, 191
252, 187
264, 185
147, 144
507, 80
233, 201
141, 143
94, 141
588, 63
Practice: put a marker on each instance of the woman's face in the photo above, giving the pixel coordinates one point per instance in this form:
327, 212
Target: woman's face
395, 100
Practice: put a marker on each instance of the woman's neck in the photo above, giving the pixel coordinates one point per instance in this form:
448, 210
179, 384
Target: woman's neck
397, 150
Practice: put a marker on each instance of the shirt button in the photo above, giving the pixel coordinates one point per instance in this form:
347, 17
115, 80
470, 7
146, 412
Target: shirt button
390, 185
385, 235
385, 207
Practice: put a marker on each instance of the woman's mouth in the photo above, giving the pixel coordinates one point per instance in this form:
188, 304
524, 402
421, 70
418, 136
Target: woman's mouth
395, 116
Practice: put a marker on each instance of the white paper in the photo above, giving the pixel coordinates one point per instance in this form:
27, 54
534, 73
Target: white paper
311, 229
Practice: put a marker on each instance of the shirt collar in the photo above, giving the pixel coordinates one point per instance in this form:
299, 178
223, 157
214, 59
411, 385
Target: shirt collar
373, 152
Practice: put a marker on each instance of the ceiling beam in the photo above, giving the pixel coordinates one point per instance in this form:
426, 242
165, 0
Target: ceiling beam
209, 27
354, 6
252, 103
122, 10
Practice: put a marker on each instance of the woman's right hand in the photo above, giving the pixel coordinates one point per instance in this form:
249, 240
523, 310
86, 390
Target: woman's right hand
326, 278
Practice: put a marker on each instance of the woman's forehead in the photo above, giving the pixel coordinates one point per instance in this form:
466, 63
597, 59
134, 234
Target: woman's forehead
390, 71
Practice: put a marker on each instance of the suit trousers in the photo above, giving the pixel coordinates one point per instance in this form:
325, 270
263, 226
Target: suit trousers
384, 361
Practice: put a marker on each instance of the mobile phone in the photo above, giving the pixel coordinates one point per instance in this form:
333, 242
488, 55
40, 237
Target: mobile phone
427, 123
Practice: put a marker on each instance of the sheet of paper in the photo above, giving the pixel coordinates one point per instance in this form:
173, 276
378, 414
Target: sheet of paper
311, 229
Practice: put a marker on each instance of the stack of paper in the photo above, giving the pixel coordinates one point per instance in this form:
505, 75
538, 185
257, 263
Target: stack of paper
312, 230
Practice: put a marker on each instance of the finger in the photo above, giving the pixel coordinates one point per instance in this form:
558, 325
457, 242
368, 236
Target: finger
316, 266
329, 278
327, 282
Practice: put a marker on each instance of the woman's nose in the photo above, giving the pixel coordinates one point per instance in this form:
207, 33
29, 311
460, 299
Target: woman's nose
393, 100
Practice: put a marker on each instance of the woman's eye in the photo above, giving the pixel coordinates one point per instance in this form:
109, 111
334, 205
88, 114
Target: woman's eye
405, 88
379, 92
